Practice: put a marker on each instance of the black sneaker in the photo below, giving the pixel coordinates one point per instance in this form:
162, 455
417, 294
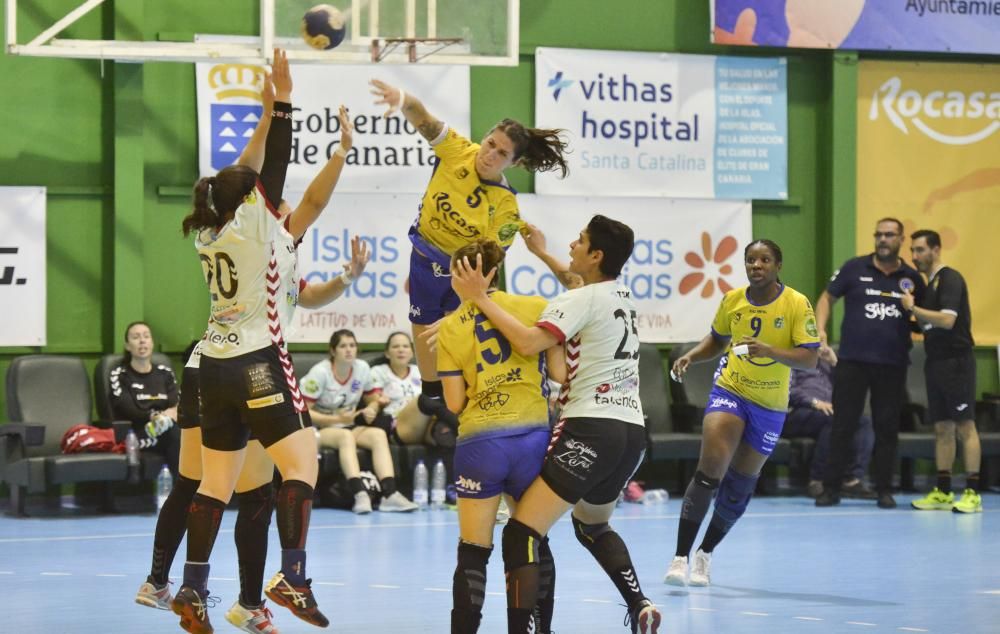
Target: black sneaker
858, 491
644, 619
886, 501
828, 498
192, 607
298, 599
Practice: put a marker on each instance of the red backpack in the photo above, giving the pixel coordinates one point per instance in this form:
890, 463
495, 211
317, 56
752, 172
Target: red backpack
87, 438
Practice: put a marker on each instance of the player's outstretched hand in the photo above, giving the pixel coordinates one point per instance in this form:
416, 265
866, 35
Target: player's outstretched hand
359, 258
281, 76
387, 95
346, 129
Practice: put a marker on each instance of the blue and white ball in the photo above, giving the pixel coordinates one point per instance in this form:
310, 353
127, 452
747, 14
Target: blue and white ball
323, 27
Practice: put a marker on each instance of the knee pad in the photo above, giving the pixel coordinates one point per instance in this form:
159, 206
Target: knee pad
588, 534
519, 545
734, 495
698, 497
469, 588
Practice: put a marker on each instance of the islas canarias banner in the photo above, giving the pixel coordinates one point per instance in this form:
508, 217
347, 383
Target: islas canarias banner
949, 26
929, 155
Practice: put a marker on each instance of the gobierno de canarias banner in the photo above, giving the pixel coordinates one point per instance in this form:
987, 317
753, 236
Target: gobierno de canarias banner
658, 124
389, 154
929, 155
953, 26
687, 254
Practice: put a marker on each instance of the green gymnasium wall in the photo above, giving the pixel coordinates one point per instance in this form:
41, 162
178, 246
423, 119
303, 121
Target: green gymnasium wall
116, 146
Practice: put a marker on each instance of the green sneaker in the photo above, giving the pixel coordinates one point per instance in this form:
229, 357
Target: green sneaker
969, 503
935, 501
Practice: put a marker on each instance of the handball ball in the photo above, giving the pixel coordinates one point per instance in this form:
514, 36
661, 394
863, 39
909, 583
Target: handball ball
323, 27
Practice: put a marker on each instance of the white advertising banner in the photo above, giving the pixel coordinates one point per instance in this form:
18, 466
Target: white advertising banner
687, 254
377, 303
22, 266
389, 154
657, 124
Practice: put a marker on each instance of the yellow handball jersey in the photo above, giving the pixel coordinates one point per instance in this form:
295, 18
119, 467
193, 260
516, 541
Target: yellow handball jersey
786, 322
458, 207
507, 392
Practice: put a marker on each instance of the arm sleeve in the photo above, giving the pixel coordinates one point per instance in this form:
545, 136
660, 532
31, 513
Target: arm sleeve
277, 151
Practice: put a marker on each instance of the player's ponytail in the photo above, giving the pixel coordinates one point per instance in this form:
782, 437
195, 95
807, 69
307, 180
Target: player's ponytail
536, 149
217, 197
491, 252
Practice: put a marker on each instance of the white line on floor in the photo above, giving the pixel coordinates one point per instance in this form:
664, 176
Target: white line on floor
329, 583
755, 613
57, 574
437, 589
597, 601
912, 629
6, 572
703, 609
107, 574
997, 592
222, 579
806, 618
384, 586
861, 623
497, 594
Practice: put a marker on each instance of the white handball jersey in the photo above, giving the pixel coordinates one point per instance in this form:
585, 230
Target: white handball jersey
398, 390
329, 395
253, 283
599, 325
194, 361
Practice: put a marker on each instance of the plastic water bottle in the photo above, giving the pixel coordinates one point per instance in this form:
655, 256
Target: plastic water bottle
438, 481
132, 456
420, 484
164, 482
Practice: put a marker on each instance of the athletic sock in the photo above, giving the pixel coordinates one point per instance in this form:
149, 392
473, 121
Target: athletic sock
944, 481
170, 528
250, 535
388, 486
972, 481
294, 508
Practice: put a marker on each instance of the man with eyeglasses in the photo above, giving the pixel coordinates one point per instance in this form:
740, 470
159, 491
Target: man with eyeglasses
874, 354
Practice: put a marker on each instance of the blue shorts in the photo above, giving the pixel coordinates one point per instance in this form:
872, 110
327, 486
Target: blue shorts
763, 426
431, 297
489, 466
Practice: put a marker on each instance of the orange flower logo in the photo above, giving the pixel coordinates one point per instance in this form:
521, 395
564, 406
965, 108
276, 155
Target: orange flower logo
692, 280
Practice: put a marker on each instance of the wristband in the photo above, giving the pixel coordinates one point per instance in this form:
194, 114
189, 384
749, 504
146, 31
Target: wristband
402, 99
346, 278
278, 114
340, 151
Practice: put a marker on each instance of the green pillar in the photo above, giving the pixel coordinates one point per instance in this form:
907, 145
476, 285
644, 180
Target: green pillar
127, 224
843, 172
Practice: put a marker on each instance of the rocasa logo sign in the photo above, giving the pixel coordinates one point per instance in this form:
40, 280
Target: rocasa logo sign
926, 112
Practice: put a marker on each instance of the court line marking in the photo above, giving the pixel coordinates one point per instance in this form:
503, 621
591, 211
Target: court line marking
597, 601
912, 629
222, 578
702, 609
6, 572
996, 592
383, 586
755, 613
57, 574
437, 589
807, 618
108, 574
329, 583
861, 623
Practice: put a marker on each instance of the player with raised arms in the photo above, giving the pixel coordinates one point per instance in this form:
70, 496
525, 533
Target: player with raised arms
468, 197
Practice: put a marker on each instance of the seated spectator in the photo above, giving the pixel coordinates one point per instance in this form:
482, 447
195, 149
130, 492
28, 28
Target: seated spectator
345, 407
811, 416
398, 379
147, 396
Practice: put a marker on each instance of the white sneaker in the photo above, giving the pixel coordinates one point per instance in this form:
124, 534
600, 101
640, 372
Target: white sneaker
677, 573
362, 503
397, 503
255, 621
701, 569
153, 597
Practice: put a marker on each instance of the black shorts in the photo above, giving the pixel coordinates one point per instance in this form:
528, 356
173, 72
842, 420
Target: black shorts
189, 408
593, 458
951, 388
255, 392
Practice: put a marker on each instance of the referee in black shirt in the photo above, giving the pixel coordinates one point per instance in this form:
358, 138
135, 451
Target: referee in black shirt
946, 320
874, 354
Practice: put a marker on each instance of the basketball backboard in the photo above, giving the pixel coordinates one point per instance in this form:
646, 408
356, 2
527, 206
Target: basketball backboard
474, 32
